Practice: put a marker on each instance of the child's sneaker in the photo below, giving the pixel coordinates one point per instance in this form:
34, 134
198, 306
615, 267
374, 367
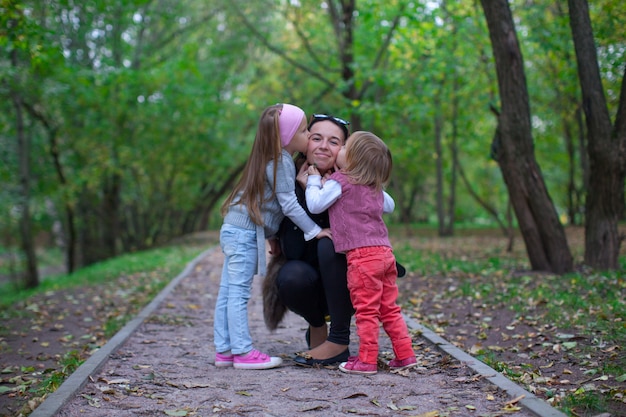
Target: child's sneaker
256, 360
398, 365
355, 366
223, 360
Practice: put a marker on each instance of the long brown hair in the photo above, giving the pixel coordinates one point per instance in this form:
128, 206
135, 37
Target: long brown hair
251, 184
368, 160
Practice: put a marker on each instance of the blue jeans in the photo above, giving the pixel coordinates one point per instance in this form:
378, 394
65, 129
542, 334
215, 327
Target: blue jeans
230, 327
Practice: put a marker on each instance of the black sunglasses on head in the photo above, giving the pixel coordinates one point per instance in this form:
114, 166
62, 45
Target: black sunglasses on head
343, 124
317, 117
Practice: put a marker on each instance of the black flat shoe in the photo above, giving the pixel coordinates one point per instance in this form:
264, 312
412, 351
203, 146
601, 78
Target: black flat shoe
303, 359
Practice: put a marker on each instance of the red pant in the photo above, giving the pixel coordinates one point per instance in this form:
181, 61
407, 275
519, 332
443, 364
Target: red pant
372, 277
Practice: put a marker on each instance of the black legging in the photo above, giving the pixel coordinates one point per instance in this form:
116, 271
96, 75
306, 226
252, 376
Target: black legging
318, 288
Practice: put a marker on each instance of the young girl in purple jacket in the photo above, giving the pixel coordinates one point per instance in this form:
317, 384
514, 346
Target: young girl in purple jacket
356, 202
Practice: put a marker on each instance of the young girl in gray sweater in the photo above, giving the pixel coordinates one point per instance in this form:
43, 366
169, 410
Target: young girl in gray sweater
264, 194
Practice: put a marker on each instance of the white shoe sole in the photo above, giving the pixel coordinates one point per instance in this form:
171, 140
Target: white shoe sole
273, 363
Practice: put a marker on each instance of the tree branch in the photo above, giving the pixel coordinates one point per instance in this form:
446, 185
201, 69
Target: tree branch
276, 50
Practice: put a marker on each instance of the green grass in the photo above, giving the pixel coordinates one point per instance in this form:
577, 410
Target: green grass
589, 402
172, 258
54, 378
592, 302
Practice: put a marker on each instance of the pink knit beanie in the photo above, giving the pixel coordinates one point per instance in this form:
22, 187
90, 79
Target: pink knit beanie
289, 121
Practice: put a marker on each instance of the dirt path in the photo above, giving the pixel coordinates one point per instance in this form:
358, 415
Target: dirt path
166, 368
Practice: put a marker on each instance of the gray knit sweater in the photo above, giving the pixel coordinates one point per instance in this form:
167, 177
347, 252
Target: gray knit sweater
284, 204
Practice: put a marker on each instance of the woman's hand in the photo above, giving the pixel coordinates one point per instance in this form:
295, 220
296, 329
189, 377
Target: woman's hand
274, 247
324, 233
313, 170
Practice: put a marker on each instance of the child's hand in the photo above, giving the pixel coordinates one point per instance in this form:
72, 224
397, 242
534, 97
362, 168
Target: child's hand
325, 233
303, 175
313, 170
326, 177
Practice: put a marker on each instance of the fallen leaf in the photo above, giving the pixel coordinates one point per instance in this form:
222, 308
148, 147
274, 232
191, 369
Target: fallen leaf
496, 348
355, 395
4, 389
94, 402
569, 345
198, 385
511, 408
316, 408
244, 393
176, 413
515, 400
115, 381
476, 349
429, 414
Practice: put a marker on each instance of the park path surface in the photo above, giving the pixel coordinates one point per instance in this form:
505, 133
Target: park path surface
162, 364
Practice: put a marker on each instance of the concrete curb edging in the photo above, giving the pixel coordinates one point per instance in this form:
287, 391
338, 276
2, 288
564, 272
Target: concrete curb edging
529, 400
79, 378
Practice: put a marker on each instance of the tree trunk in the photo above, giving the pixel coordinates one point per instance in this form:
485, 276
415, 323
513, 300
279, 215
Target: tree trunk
110, 214
513, 149
572, 201
454, 151
441, 211
70, 227
606, 148
31, 275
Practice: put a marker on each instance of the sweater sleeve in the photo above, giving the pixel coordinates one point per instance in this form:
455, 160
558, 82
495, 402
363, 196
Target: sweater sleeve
388, 204
318, 198
286, 196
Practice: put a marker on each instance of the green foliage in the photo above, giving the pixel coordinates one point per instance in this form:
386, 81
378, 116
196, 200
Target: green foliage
151, 106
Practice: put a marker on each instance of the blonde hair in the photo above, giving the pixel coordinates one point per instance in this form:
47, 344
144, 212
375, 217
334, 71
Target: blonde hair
251, 184
368, 160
